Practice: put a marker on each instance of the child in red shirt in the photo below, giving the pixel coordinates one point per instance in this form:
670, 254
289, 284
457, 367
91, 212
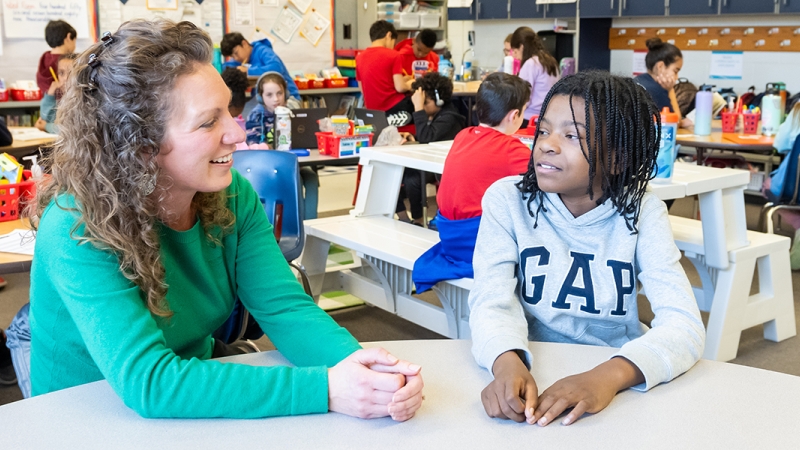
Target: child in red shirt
418, 55
379, 70
60, 36
479, 156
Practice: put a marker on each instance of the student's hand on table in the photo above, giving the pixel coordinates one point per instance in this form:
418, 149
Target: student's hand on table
407, 137
513, 393
418, 99
685, 123
40, 124
666, 80
586, 392
372, 383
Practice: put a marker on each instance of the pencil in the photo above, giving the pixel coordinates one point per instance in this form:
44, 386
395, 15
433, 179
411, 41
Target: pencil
53, 73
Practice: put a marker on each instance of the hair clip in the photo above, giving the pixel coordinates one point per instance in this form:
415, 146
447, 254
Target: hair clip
107, 39
93, 62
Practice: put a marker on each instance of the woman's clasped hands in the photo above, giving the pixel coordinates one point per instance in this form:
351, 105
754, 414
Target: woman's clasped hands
372, 383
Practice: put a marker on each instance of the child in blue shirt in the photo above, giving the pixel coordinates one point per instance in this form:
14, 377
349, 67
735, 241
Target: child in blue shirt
561, 250
271, 93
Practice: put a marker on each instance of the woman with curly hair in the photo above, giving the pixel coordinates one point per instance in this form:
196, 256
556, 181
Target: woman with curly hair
147, 237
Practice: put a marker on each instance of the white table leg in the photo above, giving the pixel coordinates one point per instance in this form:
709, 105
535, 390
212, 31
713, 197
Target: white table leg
315, 260
778, 287
731, 294
724, 224
380, 185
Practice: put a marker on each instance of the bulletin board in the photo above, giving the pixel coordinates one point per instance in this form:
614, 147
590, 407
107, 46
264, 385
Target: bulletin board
207, 16
306, 24
28, 18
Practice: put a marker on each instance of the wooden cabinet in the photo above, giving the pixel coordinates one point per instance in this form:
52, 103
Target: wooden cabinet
643, 7
491, 9
747, 6
527, 9
789, 6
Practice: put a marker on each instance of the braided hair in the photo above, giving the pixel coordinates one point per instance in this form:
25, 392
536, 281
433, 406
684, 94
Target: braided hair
623, 133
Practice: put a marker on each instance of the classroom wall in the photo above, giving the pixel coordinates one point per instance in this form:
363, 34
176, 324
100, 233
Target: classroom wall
759, 67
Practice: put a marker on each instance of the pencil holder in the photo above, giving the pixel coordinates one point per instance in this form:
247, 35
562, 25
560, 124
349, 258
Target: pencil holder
13, 197
751, 123
729, 122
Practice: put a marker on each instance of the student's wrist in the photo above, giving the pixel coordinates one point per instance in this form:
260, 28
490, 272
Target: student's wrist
506, 361
620, 373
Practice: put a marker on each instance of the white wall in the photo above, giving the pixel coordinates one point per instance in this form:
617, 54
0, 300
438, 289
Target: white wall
21, 57
759, 68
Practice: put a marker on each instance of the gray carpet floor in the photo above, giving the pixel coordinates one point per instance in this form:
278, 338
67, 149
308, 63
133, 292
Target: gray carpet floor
369, 323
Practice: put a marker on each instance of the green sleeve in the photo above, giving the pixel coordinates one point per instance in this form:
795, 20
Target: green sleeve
304, 333
129, 349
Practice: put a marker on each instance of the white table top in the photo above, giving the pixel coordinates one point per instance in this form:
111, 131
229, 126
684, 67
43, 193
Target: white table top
688, 179
714, 405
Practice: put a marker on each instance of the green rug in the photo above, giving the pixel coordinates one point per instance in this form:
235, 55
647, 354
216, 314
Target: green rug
331, 301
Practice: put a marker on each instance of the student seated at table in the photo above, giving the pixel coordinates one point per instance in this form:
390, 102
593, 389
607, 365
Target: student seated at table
255, 59
383, 80
664, 62
479, 156
539, 68
147, 238
260, 126
49, 106
60, 36
236, 80
436, 119
418, 55
561, 250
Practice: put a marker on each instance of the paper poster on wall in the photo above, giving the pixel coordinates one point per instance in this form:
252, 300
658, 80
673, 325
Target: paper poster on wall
27, 18
726, 65
459, 3
314, 27
243, 12
288, 22
302, 5
268, 3
162, 4
639, 65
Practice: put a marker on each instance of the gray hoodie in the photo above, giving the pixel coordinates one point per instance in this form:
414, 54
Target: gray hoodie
574, 280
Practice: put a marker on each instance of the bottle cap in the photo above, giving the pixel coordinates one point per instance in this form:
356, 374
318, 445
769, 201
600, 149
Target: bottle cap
707, 87
668, 116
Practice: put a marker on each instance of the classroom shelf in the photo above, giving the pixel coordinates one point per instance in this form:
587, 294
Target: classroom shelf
347, 90
19, 105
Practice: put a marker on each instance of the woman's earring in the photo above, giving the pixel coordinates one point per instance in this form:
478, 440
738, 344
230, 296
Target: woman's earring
147, 185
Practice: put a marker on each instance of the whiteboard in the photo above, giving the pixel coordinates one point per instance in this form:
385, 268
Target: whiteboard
299, 54
28, 18
208, 16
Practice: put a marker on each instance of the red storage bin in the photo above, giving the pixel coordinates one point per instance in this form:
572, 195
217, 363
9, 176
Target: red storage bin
316, 84
14, 197
338, 146
301, 84
729, 122
4, 95
335, 82
22, 95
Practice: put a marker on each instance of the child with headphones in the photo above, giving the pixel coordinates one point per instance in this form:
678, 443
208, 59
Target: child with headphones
436, 119
271, 93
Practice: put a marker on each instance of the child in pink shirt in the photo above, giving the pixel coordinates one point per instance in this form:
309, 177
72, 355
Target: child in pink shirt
539, 68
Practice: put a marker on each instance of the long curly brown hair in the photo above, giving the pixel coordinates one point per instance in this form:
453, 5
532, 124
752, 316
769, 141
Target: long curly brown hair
112, 121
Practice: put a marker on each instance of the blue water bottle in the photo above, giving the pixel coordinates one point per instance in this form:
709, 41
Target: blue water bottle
703, 104
665, 161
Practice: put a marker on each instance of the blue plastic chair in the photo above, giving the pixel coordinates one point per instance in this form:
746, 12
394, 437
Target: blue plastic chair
275, 176
785, 189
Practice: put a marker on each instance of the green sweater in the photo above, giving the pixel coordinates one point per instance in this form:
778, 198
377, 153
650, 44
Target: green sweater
90, 323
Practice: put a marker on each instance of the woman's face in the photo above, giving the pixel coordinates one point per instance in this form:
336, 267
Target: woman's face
517, 52
273, 96
200, 136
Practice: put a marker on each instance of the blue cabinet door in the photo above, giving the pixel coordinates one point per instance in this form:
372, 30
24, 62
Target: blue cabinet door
528, 9
460, 14
566, 10
644, 7
692, 7
492, 9
600, 8
789, 5
747, 6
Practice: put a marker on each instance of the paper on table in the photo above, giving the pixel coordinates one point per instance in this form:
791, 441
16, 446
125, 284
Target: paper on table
18, 241
314, 27
30, 133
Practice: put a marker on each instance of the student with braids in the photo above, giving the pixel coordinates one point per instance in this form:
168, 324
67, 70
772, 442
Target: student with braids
236, 80
539, 68
561, 250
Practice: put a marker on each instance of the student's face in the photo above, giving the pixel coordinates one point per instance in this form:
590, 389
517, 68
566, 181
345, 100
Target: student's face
672, 69
506, 48
273, 96
64, 68
560, 164
200, 132
420, 50
430, 107
241, 53
517, 52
